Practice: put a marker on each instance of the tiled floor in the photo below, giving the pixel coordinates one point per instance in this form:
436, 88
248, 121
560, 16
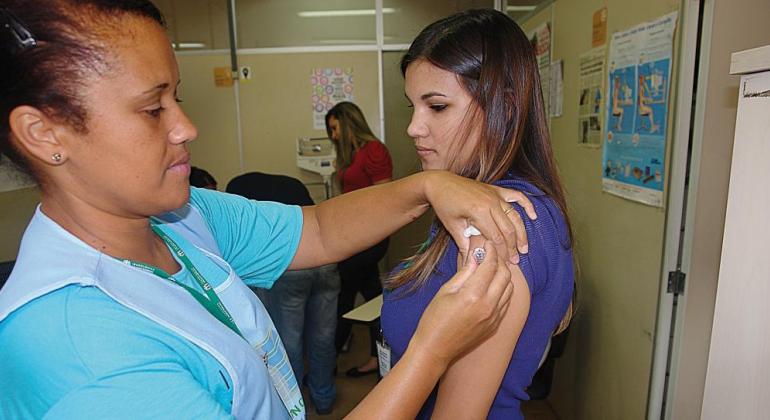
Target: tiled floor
351, 390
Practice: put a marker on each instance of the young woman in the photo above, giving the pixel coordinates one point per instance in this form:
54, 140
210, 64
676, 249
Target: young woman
362, 161
472, 80
129, 296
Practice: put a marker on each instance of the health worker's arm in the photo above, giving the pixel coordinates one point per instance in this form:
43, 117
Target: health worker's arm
344, 225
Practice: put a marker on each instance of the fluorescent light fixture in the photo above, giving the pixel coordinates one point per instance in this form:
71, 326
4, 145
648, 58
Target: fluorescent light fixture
520, 8
352, 41
348, 41
343, 13
189, 45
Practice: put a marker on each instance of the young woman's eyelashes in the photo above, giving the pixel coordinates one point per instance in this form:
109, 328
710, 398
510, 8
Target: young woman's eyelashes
434, 107
155, 112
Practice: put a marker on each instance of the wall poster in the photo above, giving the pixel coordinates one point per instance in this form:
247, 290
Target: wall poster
556, 89
591, 105
329, 87
636, 111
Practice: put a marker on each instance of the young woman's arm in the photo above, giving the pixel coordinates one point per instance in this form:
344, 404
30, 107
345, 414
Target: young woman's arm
469, 386
344, 225
466, 310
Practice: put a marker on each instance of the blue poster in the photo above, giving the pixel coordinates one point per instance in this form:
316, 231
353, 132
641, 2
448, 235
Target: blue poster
634, 147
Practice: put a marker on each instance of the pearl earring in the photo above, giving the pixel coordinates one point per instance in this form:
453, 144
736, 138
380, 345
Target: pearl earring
56, 157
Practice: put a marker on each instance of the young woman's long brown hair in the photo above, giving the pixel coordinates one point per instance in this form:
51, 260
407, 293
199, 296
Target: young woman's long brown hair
496, 64
354, 132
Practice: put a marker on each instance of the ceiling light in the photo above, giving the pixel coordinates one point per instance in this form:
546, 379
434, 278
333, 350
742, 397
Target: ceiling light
343, 41
183, 45
520, 8
347, 41
343, 13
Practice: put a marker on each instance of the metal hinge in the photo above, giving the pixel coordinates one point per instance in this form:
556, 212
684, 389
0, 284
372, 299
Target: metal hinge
676, 282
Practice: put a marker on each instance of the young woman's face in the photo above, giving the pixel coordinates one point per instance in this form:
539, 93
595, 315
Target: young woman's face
134, 158
439, 125
334, 127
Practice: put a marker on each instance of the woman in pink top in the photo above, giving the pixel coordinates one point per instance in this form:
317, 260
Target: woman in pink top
362, 161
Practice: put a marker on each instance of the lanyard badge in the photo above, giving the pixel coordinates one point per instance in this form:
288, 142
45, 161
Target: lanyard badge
281, 374
383, 355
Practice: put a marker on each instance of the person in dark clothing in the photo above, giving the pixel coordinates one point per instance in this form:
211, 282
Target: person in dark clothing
201, 178
304, 308
269, 187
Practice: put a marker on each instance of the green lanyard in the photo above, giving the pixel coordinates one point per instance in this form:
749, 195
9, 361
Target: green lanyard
211, 301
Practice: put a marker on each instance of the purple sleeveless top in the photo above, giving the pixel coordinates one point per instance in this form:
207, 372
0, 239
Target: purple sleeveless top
548, 269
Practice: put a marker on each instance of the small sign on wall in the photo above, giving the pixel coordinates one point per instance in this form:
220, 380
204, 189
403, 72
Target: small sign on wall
599, 28
245, 74
223, 77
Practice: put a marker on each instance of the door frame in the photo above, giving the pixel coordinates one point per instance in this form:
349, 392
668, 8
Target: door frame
695, 18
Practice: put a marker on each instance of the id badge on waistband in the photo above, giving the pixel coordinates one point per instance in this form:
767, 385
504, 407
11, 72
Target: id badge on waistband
383, 355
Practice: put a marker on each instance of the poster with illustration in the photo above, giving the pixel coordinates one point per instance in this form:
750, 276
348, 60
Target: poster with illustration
329, 87
636, 111
591, 102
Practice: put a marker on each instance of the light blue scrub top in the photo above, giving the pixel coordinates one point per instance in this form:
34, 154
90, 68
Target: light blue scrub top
76, 353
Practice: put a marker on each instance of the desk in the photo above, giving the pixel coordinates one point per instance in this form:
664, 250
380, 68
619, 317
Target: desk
366, 313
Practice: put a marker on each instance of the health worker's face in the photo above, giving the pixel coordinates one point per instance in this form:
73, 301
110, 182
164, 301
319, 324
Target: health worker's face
134, 159
441, 127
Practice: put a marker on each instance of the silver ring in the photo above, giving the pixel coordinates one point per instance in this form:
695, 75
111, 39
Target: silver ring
479, 254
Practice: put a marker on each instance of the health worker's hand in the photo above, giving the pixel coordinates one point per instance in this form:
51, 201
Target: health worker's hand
466, 310
461, 202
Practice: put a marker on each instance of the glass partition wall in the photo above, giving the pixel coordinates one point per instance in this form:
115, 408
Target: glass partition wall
301, 35
252, 123
196, 24
305, 23
203, 24
200, 27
